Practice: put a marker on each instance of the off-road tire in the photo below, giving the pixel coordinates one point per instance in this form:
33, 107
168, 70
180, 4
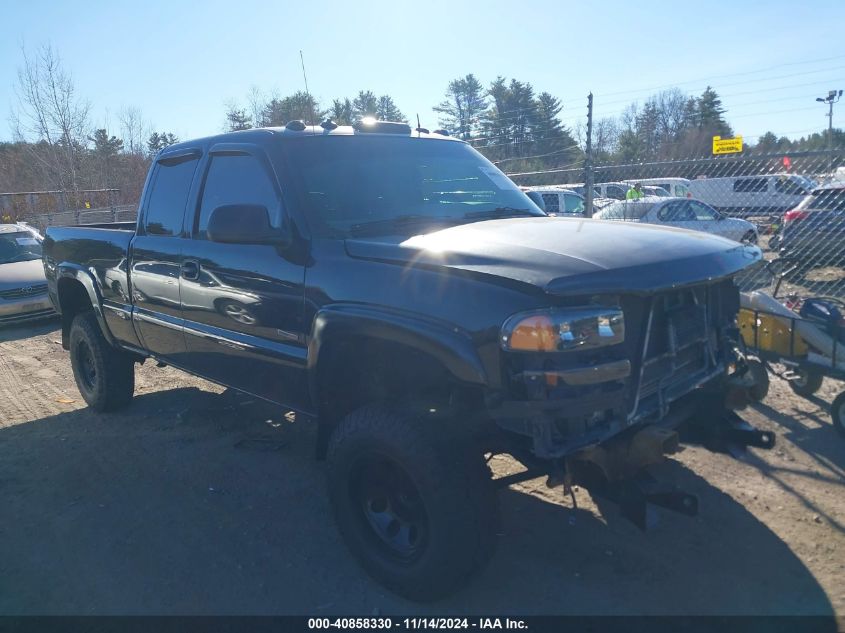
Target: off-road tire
809, 384
454, 490
105, 376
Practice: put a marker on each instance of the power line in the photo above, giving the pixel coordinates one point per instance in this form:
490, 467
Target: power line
739, 74
560, 151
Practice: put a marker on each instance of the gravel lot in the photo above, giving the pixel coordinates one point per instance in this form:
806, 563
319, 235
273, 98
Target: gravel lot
200, 501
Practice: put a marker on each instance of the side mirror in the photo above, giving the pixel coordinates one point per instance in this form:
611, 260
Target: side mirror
244, 224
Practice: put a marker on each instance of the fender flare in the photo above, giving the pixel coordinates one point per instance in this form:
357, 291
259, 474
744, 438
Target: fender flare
452, 347
68, 270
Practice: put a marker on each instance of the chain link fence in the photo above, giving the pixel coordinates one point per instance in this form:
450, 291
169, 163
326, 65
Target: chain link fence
792, 206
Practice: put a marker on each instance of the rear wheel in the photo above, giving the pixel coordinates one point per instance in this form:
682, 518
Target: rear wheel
414, 503
807, 382
105, 376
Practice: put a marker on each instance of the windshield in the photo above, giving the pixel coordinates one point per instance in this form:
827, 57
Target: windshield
384, 186
19, 247
825, 200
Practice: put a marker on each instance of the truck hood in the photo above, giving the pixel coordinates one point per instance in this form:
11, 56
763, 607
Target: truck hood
565, 256
20, 274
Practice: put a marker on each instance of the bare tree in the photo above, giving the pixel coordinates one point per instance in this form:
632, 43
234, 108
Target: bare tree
51, 115
134, 130
256, 101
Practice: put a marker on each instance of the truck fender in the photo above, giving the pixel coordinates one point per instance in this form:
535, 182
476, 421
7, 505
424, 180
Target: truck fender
450, 346
89, 282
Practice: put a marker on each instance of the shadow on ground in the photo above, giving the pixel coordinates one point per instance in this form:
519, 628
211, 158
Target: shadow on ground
17, 332
195, 503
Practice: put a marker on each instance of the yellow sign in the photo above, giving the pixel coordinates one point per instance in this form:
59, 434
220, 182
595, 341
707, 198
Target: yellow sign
727, 145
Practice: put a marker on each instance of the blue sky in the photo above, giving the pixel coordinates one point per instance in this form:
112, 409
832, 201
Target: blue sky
181, 62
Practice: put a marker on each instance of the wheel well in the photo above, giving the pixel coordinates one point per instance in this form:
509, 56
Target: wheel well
73, 300
361, 371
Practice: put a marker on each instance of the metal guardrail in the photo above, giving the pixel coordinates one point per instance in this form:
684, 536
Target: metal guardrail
122, 213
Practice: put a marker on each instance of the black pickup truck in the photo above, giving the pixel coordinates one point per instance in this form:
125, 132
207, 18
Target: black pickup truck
397, 288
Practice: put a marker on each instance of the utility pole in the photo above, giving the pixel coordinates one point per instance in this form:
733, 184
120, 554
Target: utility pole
588, 161
832, 97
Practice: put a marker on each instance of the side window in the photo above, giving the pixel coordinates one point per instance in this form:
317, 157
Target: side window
675, 212
237, 179
701, 211
750, 185
169, 195
615, 191
573, 204
787, 185
552, 202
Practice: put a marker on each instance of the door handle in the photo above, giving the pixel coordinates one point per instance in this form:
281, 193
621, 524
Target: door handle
190, 269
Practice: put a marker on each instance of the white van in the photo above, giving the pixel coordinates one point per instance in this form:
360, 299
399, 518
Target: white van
752, 195
677, 187
614, 190
559, 200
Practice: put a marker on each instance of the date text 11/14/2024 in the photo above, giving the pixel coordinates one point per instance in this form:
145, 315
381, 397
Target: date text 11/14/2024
417, 623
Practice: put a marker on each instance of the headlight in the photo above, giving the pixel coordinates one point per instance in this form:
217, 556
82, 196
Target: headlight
564, 329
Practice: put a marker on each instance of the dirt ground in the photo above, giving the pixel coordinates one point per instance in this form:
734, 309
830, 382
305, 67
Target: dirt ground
199, 501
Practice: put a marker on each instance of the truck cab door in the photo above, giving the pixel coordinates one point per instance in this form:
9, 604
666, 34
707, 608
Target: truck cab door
243, 303
155, 256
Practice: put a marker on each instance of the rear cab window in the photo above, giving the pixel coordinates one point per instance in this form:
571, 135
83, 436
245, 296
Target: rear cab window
171, 184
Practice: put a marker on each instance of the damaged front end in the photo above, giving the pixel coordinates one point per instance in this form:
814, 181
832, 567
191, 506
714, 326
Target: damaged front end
602, 397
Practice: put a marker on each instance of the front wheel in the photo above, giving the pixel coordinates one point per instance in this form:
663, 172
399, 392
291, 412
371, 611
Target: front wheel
837, 412
413, 502
105, 376
807, 383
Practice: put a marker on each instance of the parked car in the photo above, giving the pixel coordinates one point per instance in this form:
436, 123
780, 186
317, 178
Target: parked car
813, 234
765, 194
426, 315
676, 187
682, 213
660, 192
23, 288
560, 201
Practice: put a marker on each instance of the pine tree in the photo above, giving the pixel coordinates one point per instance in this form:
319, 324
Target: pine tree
105, 146
386, 110
463, 106
342, 112
158, 141
365, 104
710, 114
298, 106
238, 119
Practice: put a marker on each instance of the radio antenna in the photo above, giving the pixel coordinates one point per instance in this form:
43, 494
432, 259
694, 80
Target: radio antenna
307, 92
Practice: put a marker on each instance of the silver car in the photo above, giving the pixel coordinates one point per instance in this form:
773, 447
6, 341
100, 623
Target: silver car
23, 288
682, 213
